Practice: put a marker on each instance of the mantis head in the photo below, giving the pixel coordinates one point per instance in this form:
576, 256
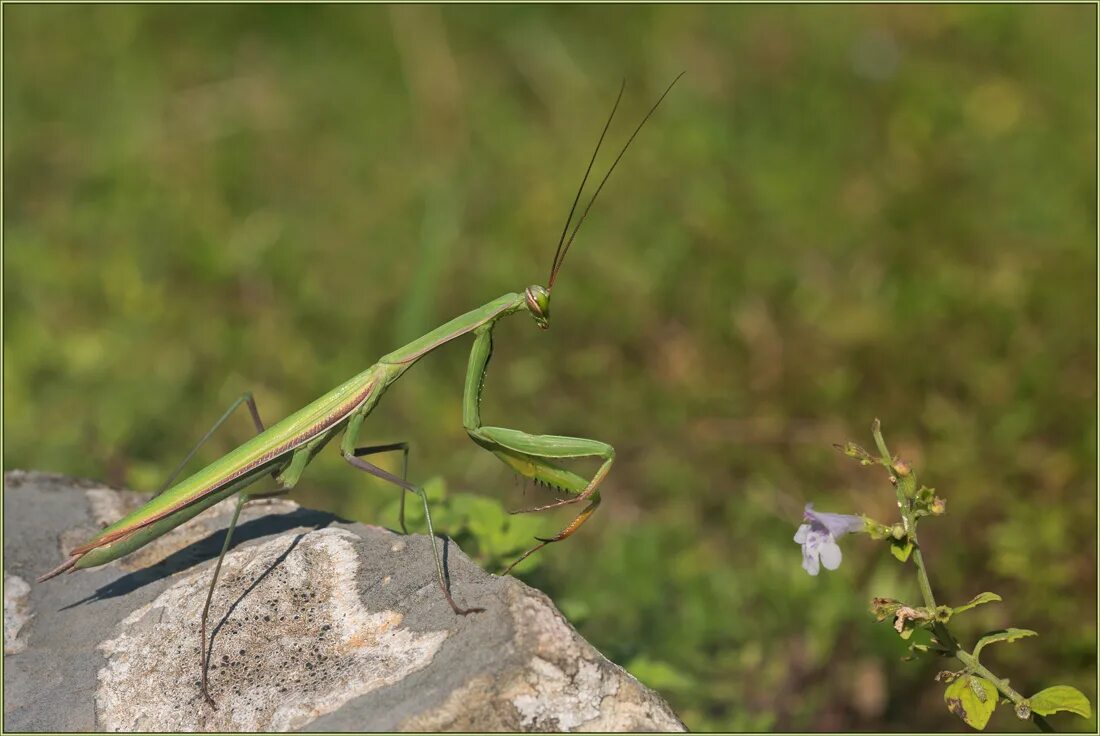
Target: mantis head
538, 302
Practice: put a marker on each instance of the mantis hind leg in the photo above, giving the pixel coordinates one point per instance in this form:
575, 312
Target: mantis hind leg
204, 653
245, 398
531, 455
285, 484
287, 477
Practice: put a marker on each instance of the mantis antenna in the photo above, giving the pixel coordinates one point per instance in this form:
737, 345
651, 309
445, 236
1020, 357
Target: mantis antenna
560, 253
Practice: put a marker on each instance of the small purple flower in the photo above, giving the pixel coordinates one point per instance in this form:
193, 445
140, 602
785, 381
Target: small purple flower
818, 538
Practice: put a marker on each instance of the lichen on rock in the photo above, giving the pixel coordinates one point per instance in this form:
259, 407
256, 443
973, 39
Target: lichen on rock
292, 642
17, 612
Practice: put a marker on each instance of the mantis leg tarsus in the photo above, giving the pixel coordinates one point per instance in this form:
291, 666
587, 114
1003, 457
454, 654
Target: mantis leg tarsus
245, 398
563, 534
404, 447
547, 507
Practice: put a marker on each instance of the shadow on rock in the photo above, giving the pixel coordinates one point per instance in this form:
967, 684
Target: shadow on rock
208, 548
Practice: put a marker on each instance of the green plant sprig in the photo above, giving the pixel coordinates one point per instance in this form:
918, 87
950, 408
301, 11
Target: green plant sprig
972, 692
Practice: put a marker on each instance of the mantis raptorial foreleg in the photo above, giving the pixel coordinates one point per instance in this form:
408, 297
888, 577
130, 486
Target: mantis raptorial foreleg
530, 454
246, 397
352, 455
404, 447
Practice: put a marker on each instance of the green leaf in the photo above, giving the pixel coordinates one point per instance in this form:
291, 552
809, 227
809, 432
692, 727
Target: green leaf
498, 537
659, 675
875, 529
1060, 697
484, 517
901, 549
978, 600
972, 699
577, 610
851, 449
435, 488
1006, 635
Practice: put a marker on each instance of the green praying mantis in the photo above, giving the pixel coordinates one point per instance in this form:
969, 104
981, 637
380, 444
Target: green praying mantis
284, 449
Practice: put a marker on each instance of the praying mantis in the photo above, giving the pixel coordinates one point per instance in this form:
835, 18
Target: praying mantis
284, 449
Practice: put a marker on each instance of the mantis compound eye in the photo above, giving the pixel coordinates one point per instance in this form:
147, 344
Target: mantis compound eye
538, 303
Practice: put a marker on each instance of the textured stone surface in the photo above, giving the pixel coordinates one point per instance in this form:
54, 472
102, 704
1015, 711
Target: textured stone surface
16, 612
319, 624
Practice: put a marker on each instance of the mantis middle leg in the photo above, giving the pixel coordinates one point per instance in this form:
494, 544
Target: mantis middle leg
530, 455
393, 446
352, 455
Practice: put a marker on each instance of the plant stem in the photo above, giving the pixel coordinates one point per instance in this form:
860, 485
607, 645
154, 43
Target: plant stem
969, 661
907, 519
922, 574
978, 668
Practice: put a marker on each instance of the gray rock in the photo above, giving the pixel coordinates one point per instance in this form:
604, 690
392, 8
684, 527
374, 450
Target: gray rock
320, 624
16, 612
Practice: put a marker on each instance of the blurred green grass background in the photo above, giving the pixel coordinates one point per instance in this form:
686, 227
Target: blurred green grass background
839, 213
